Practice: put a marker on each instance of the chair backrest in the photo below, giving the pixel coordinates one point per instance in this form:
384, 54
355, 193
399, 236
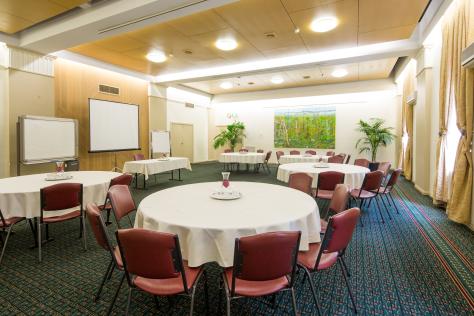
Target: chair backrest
98, 227
123, 179
336, 159
330, 153
121, 201
392, 180
150, 254
279, 154
348, 159
372, 181
384, 167
266, 256
361, 162
227, 150
311, 152
138, 157
340, 198
268, 155
339, 232
260, 151
243, 150
61, 196
301, 181
328, 180
294, 152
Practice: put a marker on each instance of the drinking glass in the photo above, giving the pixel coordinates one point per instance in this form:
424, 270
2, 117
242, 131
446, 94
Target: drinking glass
225, 179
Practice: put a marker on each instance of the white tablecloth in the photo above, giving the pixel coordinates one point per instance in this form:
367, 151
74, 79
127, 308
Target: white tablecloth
253, 158
302, 158
354, 175
154, 166
207, 228
20, 196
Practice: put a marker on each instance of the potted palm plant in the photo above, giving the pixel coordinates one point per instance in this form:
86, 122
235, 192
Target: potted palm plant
376, 135
233, 134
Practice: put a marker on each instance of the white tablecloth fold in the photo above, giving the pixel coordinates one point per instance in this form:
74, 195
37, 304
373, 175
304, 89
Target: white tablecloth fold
252, 158
302, 158
153, 166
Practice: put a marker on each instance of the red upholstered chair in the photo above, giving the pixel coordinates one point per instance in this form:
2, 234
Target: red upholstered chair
101, 236
138, 157
279, 154
294, 152
369, 190
330, 153
348, 159
227, 150
7, 223
311, 152
327, 182
386, 191
123, 179
362, 162
324, 255
243, 150
301, 181
339, 201
336, 159
59, 198
265, 162
153, 264
122, 203
385, 168
260, 151
264, 264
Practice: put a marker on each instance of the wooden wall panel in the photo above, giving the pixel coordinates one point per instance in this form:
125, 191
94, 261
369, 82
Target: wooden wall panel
75, 84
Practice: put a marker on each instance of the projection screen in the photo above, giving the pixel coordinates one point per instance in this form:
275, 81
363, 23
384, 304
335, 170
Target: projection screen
113, 126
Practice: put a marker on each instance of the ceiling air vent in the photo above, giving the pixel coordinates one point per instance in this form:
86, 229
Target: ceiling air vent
189, 105
109, 89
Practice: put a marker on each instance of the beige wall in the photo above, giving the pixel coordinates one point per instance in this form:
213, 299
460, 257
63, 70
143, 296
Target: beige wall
4, 125
29, 94
157, 115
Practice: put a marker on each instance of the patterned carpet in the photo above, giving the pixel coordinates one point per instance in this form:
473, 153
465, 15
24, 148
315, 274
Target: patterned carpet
418, 263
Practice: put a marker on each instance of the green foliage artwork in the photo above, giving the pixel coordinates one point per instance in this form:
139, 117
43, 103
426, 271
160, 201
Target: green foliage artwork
307, 127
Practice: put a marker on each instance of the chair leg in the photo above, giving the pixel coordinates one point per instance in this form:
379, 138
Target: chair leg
345, 266
206, 292
39, 239
5, 242
104, 278
385, 207
348, 287
33, 231
193, 294
313, 290
111, 307
360, 217
394, 205
83, 225
293, 300
379, 208
129, 301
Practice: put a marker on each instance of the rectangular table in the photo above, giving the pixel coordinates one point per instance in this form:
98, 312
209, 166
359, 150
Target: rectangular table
153, 166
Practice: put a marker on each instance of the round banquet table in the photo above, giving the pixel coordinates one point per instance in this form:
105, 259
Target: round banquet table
302, 158
207, 228
354, 175
252, 158
20, 196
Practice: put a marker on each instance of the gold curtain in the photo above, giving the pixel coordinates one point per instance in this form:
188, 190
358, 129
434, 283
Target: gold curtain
409, 86
456, 32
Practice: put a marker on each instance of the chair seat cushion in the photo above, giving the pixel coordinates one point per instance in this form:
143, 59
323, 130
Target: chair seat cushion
61, 218
171, 286
11, 221
308, 258
325, 194
382, 190
363, 194
255, 288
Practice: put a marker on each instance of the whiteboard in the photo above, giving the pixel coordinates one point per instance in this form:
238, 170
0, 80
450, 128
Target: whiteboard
45, 139
113, 126
160, 142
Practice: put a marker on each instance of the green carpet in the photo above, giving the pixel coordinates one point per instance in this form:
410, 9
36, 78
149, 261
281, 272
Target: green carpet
418, 263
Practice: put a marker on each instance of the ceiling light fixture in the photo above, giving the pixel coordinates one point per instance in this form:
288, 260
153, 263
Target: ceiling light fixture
156, 57
226, 44
226, 85
297, 30
277, 80
339, 73
324, 24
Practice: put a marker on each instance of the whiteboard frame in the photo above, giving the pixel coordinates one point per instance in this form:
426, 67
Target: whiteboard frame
21, 124
151, 142
112, 150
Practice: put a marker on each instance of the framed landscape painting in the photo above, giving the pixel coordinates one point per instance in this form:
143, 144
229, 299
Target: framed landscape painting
305, 127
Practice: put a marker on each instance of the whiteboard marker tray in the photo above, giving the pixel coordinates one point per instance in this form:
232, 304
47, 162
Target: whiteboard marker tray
57, 176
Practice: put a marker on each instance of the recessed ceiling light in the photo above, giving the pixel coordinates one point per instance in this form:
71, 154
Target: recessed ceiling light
306, 77
297, 30
277, 80
338, 73
156, 57
226, 44
324, 24
226, 85
251, 83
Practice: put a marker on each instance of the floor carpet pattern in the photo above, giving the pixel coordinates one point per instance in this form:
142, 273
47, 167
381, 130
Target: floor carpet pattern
417, 263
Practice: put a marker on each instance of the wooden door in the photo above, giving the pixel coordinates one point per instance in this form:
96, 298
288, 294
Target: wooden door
182, 140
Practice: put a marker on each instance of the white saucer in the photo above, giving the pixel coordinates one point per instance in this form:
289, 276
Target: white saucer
58, 176
222, 195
